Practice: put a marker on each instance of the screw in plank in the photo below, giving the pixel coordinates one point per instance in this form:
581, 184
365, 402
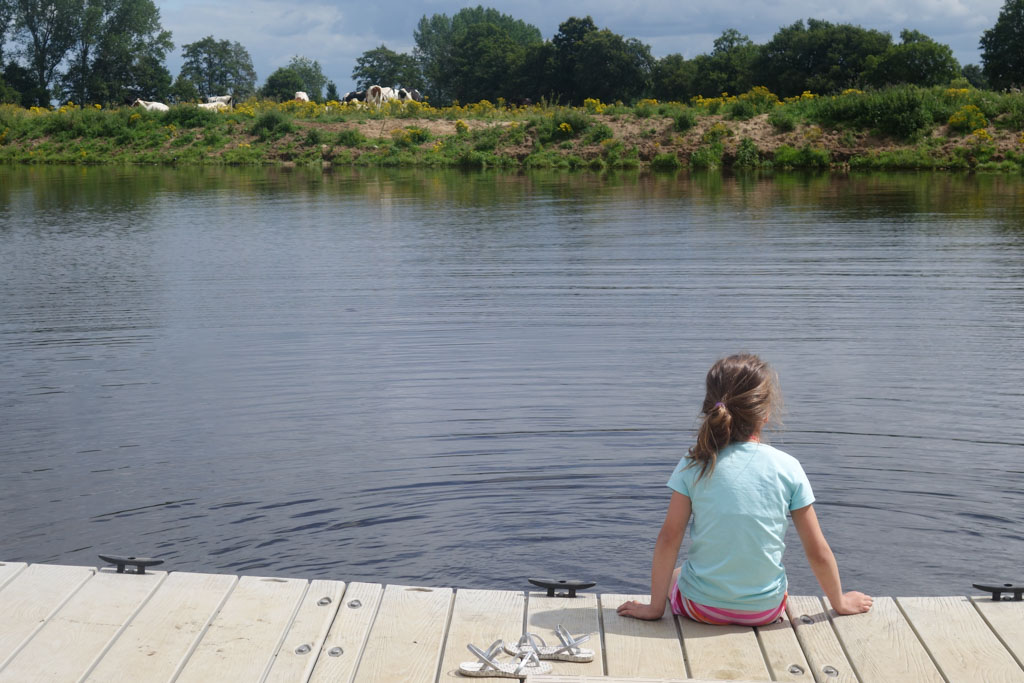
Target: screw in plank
806, 619
302, 649
796, 669
355, 604
323, 602
335, 652
830, 671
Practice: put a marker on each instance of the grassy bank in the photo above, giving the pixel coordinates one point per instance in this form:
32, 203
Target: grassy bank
897, 128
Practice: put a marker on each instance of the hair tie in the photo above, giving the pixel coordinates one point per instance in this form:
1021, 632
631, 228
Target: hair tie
719, 405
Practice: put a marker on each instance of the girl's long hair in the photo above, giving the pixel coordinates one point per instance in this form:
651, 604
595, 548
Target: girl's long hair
742, 396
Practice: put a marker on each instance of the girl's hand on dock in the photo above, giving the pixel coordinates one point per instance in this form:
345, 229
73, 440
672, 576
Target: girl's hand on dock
640, 610
853, 602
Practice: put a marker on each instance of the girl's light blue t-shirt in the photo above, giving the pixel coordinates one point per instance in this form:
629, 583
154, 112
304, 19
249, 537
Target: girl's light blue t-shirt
739, 523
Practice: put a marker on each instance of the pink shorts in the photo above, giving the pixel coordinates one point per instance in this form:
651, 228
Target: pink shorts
716, 615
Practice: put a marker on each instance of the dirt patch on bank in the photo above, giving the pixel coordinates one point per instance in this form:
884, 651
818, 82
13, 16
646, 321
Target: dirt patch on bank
657, 135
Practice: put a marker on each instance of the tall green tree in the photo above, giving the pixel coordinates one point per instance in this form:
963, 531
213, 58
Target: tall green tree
48, 30
1002, 47
282, 84
332, 92
313, 79
86, 33
183, 90
6, 24
917, 60
383, 66
820, 56
975, 76
609, 67
538, 74
729, 67
673, 78
219, 67
483, 59
8, 95
568, 43
119, 53
25, 84
436, 36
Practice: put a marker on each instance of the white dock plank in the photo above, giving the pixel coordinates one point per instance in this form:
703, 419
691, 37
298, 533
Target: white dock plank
636, 648
958, 639
344, 645
882, 646
158, 641
405, 641
577, 615
1007, 620
480, 617
8, 570
722, 652
298, 653
73, 639
782, 651
820, 644
622, 679
30, 598
241, 641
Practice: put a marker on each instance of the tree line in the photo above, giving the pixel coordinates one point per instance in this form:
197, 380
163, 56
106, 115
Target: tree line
113, 51
480, 53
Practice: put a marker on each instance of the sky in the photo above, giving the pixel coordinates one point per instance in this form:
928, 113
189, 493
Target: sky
336, 32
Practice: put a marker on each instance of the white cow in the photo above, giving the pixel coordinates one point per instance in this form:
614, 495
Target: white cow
151, 106
213, 106
226, 99
377, 95
301, 97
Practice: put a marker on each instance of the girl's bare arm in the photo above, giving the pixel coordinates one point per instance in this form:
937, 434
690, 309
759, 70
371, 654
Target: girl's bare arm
823, 563
666, 551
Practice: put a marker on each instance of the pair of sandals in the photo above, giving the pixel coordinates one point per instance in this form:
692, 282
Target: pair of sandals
526, 655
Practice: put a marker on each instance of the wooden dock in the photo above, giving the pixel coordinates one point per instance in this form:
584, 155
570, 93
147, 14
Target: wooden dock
63, 623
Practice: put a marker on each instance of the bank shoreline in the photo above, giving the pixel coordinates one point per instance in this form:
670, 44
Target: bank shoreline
660, 139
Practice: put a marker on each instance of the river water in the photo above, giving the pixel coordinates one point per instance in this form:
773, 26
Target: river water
468, 379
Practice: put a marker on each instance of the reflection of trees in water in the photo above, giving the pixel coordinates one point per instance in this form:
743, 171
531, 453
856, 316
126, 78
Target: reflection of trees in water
112, 189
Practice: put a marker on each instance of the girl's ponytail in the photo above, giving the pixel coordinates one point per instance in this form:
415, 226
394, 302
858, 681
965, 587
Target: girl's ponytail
742, 395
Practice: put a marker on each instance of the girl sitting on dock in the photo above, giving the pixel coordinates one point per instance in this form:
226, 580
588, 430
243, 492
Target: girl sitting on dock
739, 491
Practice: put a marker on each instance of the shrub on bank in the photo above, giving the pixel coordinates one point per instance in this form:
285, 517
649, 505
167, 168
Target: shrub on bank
410, 136
748, 155
967, 118
189, 116
708, 157
783, 119
665, 162
787, 157
684, 120
350, 137
900, 112
271, 124
598, 133
562, 123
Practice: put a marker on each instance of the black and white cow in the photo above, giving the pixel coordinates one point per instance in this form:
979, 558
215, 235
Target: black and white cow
406, 95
